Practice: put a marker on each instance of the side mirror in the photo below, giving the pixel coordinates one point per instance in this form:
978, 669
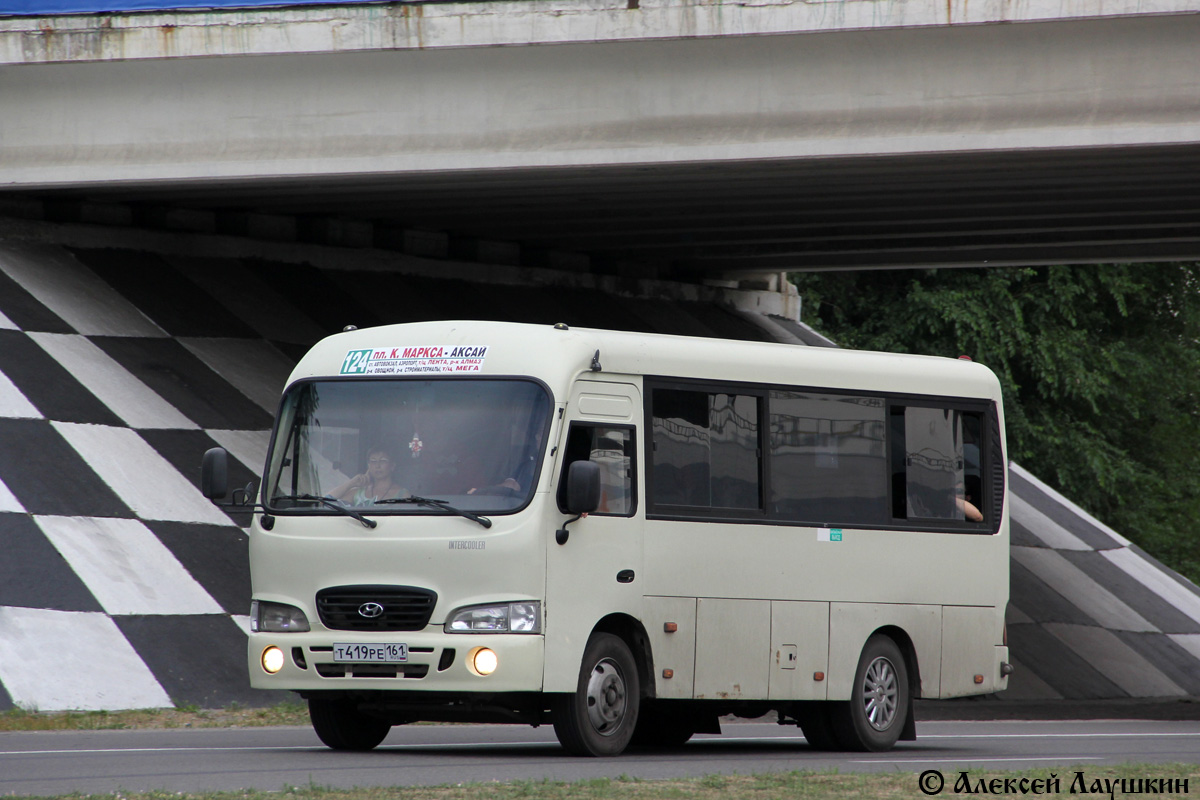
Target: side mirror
214, 474
583, 487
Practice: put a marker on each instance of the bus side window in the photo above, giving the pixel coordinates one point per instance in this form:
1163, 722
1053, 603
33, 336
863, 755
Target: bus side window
828, 459
706, 454
611, 447
936, 469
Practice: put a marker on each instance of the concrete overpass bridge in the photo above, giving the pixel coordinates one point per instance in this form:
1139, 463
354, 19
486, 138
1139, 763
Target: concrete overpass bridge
674, 139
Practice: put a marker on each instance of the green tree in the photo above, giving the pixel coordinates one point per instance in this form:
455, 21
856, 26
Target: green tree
1100, 368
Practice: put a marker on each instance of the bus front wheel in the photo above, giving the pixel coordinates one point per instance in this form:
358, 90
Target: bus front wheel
341, 726
600, 717
879, 706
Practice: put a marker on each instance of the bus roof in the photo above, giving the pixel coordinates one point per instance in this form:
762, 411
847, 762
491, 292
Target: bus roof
559, 354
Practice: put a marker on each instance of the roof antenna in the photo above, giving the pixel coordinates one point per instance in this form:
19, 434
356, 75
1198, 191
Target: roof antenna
596, 362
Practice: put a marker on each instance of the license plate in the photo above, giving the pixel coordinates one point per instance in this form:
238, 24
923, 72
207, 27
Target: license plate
370, 653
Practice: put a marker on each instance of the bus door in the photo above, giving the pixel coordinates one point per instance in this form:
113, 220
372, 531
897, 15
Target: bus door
598, 570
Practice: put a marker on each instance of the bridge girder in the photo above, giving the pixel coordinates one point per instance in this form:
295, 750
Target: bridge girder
1076, 140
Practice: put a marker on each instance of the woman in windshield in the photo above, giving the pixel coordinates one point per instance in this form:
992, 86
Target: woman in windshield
377, 483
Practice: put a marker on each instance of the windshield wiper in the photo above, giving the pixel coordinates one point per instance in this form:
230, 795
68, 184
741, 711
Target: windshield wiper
329, 503
442, 504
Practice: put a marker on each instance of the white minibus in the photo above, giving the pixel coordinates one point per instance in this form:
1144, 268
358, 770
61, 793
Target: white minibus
628, 536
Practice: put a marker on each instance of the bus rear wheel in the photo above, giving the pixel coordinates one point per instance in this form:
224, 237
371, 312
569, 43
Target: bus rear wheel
341, 726
816, 723
599, 718
658, 727
879, 706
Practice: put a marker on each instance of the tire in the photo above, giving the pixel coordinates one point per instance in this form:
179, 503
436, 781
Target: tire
341, 726
659, 728
600, 717
879, 705
816, 723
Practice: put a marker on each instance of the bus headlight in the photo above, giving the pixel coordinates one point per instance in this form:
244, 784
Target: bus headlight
272, 660
523, 617
276, 618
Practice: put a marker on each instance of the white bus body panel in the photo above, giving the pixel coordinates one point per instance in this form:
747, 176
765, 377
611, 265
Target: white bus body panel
733, 640
581, 576
674, 651
799, 650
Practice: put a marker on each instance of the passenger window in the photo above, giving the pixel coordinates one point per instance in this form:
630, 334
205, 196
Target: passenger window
936, 464
705, 450
612, 448
828, 458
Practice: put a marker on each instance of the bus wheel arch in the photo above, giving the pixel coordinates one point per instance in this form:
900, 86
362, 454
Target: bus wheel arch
634, 635
909, 650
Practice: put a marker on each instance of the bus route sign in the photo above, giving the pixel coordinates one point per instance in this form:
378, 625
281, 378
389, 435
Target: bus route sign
414, 360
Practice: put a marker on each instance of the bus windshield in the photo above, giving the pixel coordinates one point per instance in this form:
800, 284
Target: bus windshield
367, 444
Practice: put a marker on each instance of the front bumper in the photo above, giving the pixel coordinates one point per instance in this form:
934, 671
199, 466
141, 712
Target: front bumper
437, 662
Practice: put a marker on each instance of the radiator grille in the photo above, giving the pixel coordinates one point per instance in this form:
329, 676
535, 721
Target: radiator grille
350, 608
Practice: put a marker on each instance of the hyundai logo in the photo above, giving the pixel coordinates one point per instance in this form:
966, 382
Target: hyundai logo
370, 610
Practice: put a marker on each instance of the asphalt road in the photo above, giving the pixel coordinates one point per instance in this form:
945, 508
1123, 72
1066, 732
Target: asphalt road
273, 758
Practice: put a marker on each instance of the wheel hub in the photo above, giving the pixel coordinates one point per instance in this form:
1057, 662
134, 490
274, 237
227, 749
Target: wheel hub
880, 694
606, 701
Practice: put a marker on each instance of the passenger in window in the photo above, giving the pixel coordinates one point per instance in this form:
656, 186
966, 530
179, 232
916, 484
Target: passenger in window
377, 483
968, 509
969, 490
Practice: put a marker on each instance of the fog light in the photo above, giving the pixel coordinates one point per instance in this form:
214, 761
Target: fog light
484, 661
272, 660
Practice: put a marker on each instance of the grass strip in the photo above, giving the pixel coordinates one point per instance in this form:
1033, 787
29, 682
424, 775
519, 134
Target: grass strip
18, 719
